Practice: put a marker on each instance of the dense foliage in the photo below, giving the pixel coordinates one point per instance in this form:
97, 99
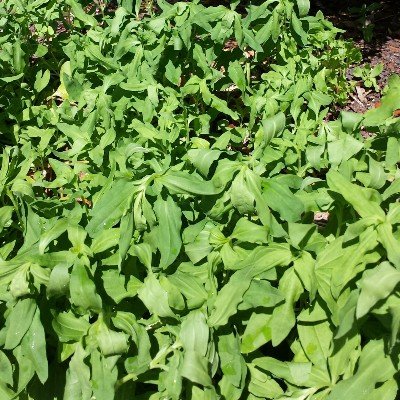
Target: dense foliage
162, 176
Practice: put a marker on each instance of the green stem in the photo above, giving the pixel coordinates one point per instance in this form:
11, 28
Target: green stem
125, 379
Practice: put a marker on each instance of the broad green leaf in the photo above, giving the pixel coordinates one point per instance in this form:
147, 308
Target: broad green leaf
59, 281
172, 73
355, 196
118, 287
5, 216
19, 321
155, 297
70, 327
296, 373
241, 195
283, 316
262, 385
104, 375
42, 80
6, 369
232, 362
77, 384
374, 367
273, 126
279, 198
247, 231
315, 334
169, 227
304, 7
57, 230
257, 333
264, 258
376, 284
191, 287
389, 242
111, 342
194, 333
105, 240
236, 73
83, 289
80, 14
301, 34
260, 294
108, 210
34, 347
387, 391
202, 159
181, 182
229, 297
195, 368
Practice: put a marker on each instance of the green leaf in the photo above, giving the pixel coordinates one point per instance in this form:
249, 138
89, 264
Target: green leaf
111, 342
169, 227
260, 294
19, 321
34, 347
5, 216
59, 281
195, 368
125, 237
105, 239
304, 7
180, 182
389, 242
6, 369
297, 373
57, 230
109, 209
257, 333
376, 284
191, 287
241, 196
283, 316
298, 30
247, 231
355, 196
155, 297
232, 362
202, 159
194, 333
374, 367
77, 385
236, 73
83, 289
172, 73
229, 297
69, 327
80, 14
42, 80
104, 376
273, 126
387, 391
315, 334
281, 199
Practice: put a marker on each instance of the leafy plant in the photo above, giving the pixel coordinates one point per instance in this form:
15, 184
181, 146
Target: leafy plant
364, 15
160, 180
368, 75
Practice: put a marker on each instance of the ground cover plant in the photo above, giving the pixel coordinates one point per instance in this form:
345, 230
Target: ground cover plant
182, 217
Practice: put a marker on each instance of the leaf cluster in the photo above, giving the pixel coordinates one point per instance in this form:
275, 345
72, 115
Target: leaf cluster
161, 179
